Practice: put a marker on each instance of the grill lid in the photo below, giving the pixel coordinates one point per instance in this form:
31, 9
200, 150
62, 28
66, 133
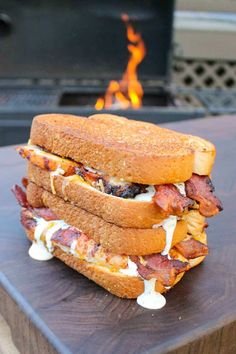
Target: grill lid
83, 39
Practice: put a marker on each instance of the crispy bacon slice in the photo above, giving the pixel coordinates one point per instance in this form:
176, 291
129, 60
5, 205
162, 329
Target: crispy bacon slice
169, 200
20, 196
200, 189
27, 219
45, 213
47, 161
160, 267
192, 248
65, 237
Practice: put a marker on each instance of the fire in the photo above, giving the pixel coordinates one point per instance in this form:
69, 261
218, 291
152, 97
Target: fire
127, 92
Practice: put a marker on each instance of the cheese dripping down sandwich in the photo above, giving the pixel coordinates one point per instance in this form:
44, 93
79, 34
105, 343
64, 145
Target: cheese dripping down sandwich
120, 201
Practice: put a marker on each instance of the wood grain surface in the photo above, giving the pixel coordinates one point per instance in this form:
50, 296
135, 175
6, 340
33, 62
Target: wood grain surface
51, 308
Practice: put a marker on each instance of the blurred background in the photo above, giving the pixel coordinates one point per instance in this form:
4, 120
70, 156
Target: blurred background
152, 60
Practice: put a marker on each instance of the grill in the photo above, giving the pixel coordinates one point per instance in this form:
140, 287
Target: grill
61, 56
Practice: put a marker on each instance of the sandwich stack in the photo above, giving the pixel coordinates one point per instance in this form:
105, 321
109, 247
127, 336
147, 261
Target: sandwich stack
120, 201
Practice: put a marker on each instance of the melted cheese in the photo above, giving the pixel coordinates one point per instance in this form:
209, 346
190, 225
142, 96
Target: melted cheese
146, 197
150, 298
131, 270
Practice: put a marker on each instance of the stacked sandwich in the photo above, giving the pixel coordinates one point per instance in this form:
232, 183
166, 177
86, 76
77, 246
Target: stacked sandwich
120, 201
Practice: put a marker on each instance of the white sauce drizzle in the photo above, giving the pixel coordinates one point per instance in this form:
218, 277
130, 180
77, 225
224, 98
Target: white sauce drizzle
150, 298
146, 197
131, 270
73, 247
38, 250
181, 188
57, 172
64, 185
169, 226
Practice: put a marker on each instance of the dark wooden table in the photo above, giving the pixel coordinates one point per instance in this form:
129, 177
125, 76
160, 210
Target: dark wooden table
51, 308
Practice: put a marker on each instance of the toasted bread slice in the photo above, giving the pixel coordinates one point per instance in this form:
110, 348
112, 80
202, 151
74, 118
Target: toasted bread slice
119, 240
130, 150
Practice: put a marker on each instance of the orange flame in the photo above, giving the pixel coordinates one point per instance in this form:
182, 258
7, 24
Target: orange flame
127, 92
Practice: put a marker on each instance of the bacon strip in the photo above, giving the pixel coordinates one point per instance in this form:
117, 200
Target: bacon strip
200, 189
169, 201
45, 213
192, 248
65, 237
160, 267
20, 196
27, 219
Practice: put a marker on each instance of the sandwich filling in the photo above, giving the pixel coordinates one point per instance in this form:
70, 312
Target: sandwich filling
170, 199
50, 232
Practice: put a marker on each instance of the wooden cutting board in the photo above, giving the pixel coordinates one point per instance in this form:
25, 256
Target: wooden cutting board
51, 308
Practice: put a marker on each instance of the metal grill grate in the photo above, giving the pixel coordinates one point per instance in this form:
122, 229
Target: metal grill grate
197, 73
26, 97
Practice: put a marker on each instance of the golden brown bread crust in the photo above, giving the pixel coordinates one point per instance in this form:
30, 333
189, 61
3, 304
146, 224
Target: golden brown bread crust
135, 151
119, 211
129, 241
116, 283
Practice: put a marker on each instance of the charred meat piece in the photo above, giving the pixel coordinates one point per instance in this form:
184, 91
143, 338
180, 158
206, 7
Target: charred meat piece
169, 201
192, 248
200, 189
129, 190
105, 185
160, 267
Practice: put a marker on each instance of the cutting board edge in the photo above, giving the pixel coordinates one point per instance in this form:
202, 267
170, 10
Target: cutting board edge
16, 310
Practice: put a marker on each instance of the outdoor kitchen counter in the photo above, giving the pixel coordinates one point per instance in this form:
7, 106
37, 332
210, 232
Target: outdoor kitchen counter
51, 308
